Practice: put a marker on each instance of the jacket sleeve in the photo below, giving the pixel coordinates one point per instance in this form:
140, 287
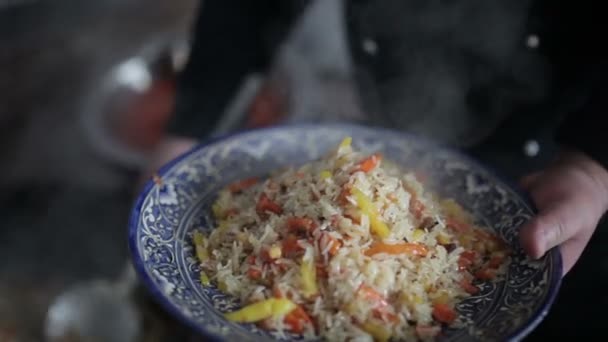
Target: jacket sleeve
586, 129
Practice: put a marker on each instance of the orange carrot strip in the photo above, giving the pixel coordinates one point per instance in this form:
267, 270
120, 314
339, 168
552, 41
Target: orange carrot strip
372, 295
297, 319
241, 185
369, 163
398, 248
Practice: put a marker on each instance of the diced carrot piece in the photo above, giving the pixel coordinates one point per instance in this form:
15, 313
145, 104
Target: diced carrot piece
416, 207
463, 263
297, 320
335, 246
276, 292
254, 273
281, 265
496, 261
369, 163
471, 255
265, 256
300, 225
468, 287
467, 258
485, 274
265, 205
444, 313
342, 198
242, 185
291, 247
457, 225
391, 317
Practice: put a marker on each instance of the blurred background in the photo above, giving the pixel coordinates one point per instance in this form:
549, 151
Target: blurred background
89, 91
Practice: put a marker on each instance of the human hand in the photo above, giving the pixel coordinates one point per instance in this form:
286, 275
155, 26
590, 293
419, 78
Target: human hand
571, 196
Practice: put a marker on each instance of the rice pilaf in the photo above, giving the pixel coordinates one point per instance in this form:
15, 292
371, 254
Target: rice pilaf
348, 247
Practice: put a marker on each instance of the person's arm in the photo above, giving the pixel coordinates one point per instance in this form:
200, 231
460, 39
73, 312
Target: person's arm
232, 38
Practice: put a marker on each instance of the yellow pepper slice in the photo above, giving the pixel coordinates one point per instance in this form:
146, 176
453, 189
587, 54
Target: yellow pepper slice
308, 273
378, 332
325, 174
222, 286
343, 149
223, 225
199, 243
204, 279
216, 208
341, 162
441, 297
346, 142
275, 252
454, 210
410, 299
367, 207
443, 239
418, 235
269, 308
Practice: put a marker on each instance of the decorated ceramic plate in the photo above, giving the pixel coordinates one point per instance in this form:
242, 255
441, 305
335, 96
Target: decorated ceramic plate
179, 199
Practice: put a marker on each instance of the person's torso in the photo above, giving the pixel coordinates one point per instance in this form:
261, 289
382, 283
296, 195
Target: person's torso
456, 71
